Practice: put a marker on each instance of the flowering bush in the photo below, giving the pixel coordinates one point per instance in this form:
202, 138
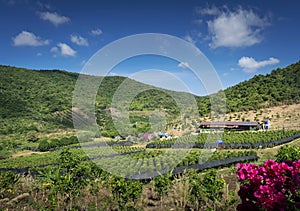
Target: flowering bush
272, 186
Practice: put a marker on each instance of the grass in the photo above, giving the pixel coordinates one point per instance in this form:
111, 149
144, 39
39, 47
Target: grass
269, 153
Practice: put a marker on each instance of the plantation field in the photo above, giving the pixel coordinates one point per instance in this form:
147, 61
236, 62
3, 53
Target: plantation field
186, 173
155, 157
46, 165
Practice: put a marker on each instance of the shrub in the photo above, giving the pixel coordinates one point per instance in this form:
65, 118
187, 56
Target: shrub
44, 146
8, 180
31, 136
272, 186
207, 187
65, 181
162, 184
56, 143
288, 152
125, 192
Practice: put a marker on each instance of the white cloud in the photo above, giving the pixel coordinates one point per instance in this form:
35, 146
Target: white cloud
189, 39
184, 65
54, 49
96, 32
54, 18
209, 11
26, 38
250, 65
43, 5
79, 40
234, 28
66, 50
63, 49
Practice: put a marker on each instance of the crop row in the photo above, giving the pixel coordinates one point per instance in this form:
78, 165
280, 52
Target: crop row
248, 140
142, 164
47, 158
154, 163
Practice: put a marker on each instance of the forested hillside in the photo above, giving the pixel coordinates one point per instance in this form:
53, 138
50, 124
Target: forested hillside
42, 100
28, 98
281, 86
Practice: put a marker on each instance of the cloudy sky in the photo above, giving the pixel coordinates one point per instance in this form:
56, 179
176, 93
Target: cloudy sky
239, 38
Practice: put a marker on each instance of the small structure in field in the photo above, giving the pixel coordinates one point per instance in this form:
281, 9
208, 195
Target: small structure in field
164, 135
147, 136
266, 124
231, 126
220, 144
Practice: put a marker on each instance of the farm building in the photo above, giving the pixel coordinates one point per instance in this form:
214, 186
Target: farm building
235, 126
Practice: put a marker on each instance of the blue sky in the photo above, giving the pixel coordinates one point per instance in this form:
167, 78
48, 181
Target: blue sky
239, 38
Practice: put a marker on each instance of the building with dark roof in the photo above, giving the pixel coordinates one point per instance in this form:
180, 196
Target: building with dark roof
235, 126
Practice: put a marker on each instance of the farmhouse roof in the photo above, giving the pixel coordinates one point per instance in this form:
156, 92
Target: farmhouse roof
253, 124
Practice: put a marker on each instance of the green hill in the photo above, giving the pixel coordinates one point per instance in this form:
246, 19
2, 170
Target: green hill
42, 100
281, 86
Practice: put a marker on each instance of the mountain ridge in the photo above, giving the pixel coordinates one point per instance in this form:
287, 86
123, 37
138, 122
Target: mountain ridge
42, 99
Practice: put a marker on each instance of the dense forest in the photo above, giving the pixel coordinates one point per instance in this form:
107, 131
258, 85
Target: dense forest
281, 86
42, 100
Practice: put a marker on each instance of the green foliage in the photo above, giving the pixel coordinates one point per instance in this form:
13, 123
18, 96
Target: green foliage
32, 136
44, 146
195, 186
205, 187
30, 161
162, 184
9, 144
42, 100
8, 181
288, 152
125, 192
34, 95
213, 186
4, 153
56, 143
66, 180
227, 138
7, 147
279, 87
231, 140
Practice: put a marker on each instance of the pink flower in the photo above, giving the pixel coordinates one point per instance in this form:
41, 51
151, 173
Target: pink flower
269, 186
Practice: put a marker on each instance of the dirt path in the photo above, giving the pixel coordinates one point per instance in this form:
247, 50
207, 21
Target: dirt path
26, 153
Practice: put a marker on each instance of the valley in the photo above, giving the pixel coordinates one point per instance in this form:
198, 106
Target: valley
47, 163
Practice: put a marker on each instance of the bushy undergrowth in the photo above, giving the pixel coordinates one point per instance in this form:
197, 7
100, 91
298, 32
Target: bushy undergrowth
74, 184
45, 145
77, 185
288, 152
